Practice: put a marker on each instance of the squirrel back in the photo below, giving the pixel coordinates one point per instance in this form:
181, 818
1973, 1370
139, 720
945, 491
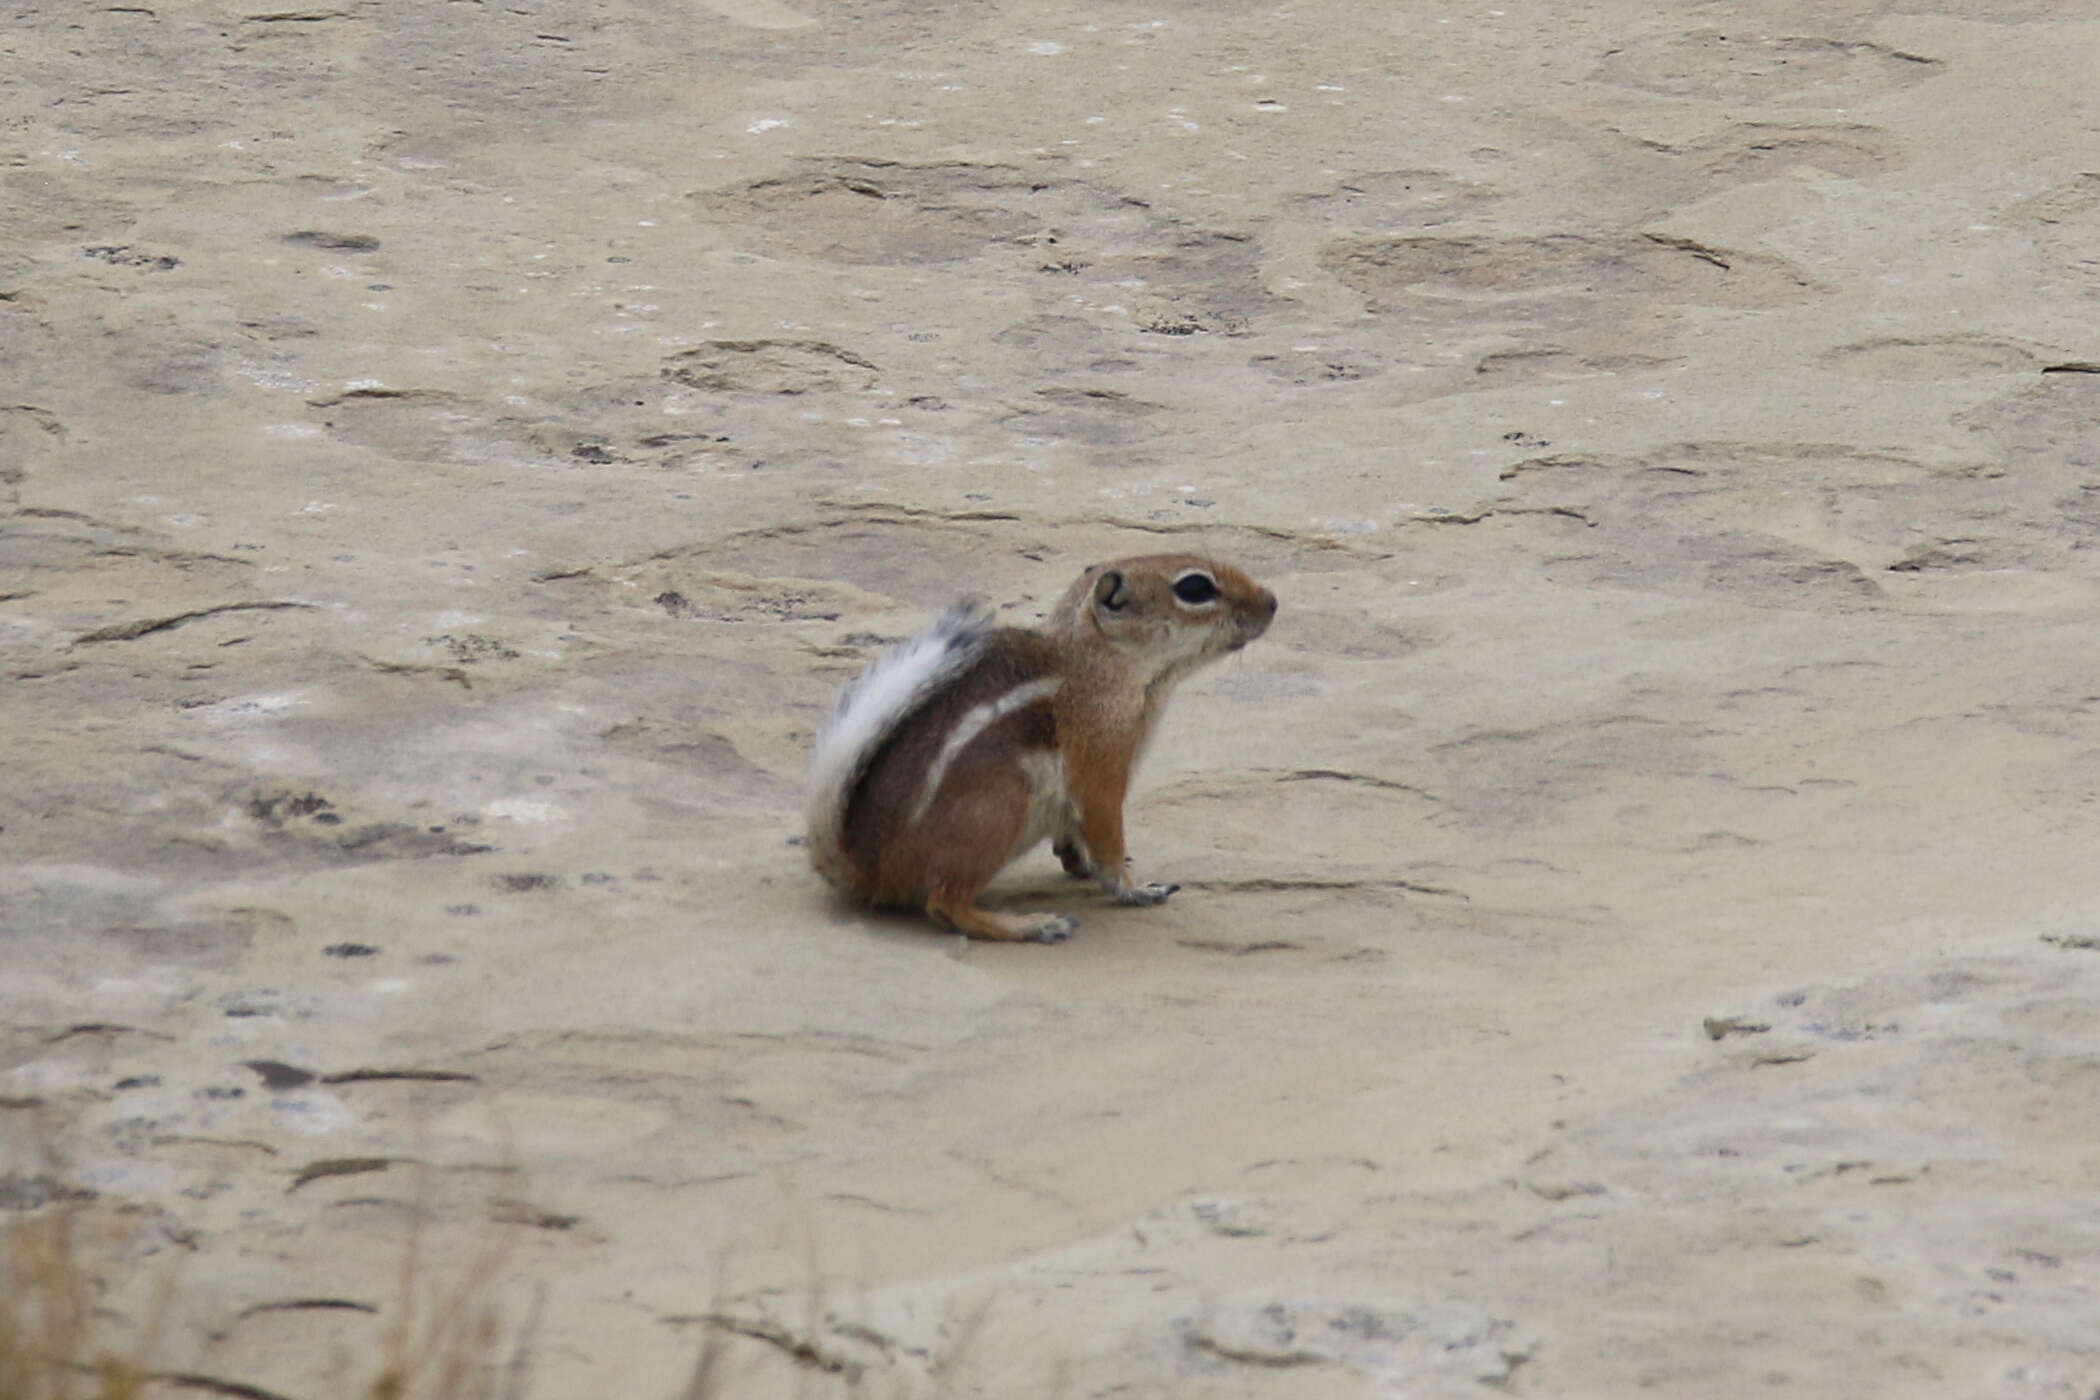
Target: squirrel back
899, 683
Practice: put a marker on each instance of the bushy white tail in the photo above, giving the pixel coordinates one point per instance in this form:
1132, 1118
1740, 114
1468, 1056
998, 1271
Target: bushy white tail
869, 711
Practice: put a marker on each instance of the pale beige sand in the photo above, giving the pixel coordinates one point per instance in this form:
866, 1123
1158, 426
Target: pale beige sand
455, 450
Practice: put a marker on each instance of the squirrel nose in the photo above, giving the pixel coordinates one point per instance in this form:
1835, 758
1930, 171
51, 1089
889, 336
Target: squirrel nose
1268, 603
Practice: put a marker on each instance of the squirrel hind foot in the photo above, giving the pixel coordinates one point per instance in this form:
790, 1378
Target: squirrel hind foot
1052, 928
966, 918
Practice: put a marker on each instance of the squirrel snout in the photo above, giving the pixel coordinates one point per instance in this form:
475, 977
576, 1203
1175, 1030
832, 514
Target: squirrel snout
1265, 613
1255, 620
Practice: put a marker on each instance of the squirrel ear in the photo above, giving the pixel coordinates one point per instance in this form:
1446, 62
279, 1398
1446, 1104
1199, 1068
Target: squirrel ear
1112, 592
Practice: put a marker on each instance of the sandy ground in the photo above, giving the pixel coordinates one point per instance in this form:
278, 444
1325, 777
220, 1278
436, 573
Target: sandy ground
1637, 928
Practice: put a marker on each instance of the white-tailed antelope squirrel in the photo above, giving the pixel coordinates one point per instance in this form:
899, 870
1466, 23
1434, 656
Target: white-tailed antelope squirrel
960, 749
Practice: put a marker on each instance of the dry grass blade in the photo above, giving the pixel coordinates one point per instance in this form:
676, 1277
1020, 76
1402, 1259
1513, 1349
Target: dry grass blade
48, 1321
446, 1342
445, 1338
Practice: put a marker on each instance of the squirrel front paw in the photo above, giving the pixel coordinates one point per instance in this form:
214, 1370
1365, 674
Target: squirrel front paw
1145, 894
1074, 860
1125, 888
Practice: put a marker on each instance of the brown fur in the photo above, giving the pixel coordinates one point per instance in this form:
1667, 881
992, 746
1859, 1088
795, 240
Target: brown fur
894, 858
945, 800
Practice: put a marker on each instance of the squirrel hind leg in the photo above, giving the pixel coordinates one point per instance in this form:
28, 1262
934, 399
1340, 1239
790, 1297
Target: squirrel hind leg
976, 826
962, 914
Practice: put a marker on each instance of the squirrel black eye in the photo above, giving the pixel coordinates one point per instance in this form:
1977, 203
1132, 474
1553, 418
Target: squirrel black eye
1195, 588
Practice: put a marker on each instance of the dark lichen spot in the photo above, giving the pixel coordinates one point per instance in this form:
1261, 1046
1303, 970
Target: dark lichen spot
339, 242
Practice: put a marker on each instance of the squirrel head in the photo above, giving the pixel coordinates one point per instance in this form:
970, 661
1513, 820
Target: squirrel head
1165, 614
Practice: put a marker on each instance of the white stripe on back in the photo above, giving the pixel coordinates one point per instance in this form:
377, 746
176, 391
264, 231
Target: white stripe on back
969, 726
